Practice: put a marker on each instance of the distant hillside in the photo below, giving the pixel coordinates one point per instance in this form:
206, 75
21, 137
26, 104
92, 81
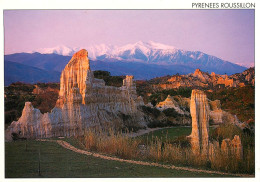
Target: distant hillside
14, 72
49, 62
157, 89
141, 71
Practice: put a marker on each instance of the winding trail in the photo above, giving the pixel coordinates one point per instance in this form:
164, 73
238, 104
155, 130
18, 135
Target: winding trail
148, 130
74, 149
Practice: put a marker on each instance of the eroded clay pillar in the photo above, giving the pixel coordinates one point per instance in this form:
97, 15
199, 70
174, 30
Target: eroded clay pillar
199, 109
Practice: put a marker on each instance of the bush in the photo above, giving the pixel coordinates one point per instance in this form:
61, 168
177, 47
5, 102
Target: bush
156, 123
239, 101
229, 130
116, 81
171, 112
152, 111
159, 96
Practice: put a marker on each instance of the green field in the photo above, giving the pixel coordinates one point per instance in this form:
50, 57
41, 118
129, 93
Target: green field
167, 133
57, 161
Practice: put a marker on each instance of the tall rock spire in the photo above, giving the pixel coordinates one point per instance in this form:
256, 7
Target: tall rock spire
199, 109
77, 74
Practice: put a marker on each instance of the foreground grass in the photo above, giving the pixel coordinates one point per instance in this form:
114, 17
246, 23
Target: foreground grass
59, 162
167, 146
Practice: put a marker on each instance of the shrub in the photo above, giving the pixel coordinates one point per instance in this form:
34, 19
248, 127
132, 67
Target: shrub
171, 112
116, 81
156, 123
159, 96
152, 111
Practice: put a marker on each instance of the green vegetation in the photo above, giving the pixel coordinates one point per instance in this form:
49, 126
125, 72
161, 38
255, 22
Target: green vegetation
151, 111
171, 112
116, 81
159, 96
57, 161
18, 93
169, 134
15, 97
239, 101
229, 131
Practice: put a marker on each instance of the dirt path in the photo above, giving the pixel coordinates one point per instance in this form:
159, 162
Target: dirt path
148, 130
72, 148
142, 132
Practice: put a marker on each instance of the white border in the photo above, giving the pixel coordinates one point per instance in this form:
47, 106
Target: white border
120, 4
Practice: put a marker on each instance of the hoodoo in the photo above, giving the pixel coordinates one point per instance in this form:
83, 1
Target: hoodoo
199, 109
83, 102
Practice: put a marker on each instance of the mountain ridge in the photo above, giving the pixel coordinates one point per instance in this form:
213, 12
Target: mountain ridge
142, 60
151, 52
14, 72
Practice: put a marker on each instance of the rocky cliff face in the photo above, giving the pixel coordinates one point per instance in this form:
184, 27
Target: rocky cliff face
83, 102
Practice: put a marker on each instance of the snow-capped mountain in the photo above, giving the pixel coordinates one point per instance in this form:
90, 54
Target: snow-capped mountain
151, 53
141, 51
147, 52
144, 60
126, 52
61, 50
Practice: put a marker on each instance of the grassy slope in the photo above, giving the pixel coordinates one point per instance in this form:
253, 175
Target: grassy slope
59, 162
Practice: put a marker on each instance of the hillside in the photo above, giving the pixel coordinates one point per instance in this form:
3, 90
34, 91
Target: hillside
198, 79
14, 72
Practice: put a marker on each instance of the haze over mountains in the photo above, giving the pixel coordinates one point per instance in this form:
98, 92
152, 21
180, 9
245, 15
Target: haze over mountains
144, 60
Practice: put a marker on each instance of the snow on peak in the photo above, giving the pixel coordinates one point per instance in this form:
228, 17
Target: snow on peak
111, 51
160, 46
145, 47
99, 50
61, 49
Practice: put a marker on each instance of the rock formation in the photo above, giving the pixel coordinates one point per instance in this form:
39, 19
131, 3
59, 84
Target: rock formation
199, 109
237, 148
83, 102
213, 150
216, 113
246, 77
226, 147
199, 137
200, 79
232, 148
170, 102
